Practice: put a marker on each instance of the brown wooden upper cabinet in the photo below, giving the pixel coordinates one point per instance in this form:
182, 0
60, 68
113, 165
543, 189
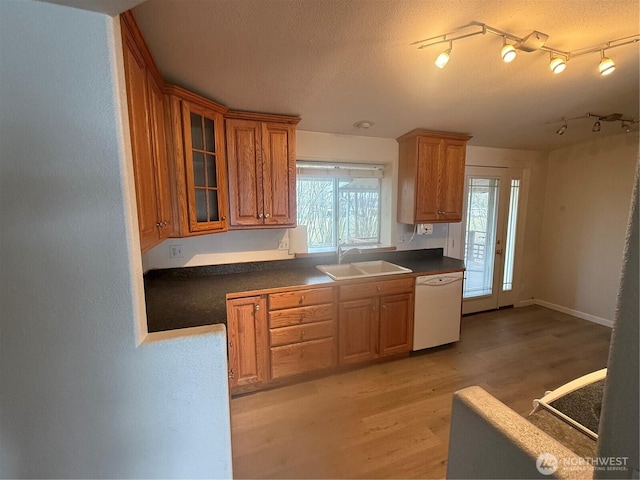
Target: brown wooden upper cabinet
147, 127
197, 131
262, 170
431, 176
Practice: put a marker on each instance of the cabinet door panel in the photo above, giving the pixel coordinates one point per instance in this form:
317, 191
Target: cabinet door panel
163, 193
451, 183
248, 347
143, 164
204, 169
396, 324
426, 180
245, 172
279, 168
357, 337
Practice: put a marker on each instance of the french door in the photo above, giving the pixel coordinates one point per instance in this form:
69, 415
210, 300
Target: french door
490, 224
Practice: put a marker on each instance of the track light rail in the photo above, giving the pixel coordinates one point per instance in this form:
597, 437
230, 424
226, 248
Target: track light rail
521, 43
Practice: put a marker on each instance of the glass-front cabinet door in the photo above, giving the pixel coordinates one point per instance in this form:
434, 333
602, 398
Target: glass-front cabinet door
205, 168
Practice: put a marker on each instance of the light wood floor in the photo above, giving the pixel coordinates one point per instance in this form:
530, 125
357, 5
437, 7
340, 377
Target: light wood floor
391, 420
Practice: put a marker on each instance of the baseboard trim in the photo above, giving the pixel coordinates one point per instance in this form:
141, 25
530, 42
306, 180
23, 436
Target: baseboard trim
570, 311
526, 303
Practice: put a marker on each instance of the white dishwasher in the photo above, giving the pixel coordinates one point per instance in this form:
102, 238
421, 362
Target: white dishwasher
438, 307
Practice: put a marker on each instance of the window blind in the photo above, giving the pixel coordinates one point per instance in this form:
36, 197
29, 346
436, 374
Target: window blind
338, 170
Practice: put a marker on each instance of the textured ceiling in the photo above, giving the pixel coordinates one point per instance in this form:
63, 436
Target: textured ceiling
334, 62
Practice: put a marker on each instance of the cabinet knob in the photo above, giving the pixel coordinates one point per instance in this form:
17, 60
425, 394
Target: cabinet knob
230, 344
301, 300
267, 215
441, 212
257, 307
223, 218
260, 215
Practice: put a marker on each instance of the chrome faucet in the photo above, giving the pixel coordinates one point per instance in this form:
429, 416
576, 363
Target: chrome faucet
342, 252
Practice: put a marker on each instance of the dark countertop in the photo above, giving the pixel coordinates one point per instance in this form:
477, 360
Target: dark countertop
194, 296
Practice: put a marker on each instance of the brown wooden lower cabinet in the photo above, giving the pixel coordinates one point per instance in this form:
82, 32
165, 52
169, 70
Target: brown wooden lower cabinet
358, 326
295, 332
396, 324
248, 341
376, 320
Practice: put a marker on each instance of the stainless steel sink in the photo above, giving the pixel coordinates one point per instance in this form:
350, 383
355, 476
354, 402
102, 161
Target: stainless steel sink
374, 268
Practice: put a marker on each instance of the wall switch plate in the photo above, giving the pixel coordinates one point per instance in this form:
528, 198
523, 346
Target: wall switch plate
175, 251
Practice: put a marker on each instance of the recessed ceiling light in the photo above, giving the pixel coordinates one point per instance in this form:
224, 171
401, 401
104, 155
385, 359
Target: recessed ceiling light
364, 124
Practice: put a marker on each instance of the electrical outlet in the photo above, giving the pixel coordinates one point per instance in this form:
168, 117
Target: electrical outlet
284, 243
175, 251
425, 229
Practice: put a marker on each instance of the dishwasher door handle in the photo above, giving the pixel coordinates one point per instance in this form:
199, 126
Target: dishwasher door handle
437, 281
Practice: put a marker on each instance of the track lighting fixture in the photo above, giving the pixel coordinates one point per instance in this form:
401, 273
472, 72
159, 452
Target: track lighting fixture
562, 129
533, 42
557, 64
627, 123
508, 52
443, 58
606, 66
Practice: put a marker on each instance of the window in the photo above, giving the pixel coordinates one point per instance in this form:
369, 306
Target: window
339, 203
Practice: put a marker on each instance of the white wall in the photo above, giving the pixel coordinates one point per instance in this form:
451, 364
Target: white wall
78, 397
587, 201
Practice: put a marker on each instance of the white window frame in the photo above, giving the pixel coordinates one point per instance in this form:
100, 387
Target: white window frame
342, 171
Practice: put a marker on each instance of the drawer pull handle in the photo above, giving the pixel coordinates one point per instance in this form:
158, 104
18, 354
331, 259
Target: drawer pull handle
301, 299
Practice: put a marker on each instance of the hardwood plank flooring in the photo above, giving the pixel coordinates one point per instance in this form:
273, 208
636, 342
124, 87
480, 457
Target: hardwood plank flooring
391, 420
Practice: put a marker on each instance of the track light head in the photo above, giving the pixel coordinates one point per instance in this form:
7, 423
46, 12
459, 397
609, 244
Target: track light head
562, 129
606, 66
443, 58
557, 64
508, 52
596, 126
626, 127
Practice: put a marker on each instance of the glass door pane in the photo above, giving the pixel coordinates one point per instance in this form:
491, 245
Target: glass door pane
480, 235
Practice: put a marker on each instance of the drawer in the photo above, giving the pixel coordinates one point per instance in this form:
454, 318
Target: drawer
300, 298
372, 289
301, 333
302, 357
297, 316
